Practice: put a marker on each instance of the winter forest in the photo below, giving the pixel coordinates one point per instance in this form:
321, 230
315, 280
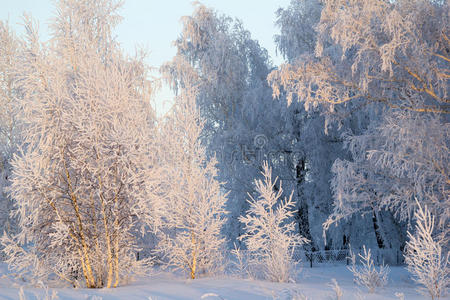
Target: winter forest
323, 177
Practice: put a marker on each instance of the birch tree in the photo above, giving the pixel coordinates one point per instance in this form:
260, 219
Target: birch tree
84, 178
194, 209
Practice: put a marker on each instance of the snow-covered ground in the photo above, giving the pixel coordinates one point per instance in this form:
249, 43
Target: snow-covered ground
312, 284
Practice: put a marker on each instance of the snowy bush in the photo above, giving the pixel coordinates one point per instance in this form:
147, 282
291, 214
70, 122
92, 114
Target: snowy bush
47, 296
292, 293
336, 288
367, 274
400, 296
426, 258
269, 236
240, 262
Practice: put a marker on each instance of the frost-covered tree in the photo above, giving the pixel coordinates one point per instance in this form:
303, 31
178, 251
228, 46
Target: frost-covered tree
426, 256
194, 210
270, 236
9, 128
83, 181
376, 65
317, 140
243, 125
296, 40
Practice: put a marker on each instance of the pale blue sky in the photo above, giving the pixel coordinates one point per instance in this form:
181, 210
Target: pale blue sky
154, 24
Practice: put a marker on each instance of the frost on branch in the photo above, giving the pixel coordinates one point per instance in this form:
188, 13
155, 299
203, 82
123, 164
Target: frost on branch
375, 51
269, 236
403, 156
297, 34
367, 274
426, 257
82, 181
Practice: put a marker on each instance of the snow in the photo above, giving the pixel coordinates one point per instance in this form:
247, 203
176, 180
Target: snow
314, 283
